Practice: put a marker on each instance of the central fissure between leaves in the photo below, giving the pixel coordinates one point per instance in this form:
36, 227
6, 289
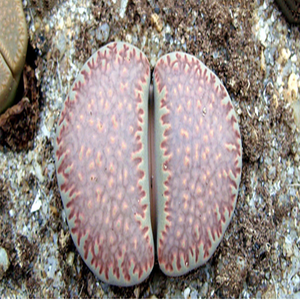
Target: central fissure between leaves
151, 161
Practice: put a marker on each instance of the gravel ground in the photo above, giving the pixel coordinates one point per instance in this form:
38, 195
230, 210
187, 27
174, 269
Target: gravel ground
255, 53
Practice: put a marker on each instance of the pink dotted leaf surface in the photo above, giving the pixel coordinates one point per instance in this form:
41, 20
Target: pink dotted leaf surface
198, 155
102, 162
101, 153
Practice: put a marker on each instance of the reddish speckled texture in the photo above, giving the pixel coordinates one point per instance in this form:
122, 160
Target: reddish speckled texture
102, 157
198, 162
102, 164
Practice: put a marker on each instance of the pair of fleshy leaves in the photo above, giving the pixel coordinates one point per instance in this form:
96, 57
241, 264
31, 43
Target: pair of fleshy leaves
102, 159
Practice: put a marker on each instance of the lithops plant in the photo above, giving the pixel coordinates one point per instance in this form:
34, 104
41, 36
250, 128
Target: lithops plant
13, 48
102, 162
198, 162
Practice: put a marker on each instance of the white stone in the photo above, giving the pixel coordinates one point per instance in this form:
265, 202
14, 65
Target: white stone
294, 58
39, 172
123, 7
262, 34
186, 293
293, 86
37, 203
4, 262
102, 33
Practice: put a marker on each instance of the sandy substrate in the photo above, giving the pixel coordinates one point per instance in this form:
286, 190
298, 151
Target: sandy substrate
255, 53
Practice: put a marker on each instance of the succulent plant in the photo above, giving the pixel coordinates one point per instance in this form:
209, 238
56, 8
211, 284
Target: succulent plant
198, 162
13, 48
102, 161
102, 164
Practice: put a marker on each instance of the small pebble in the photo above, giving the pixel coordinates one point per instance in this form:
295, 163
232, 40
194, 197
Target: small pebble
294, 58
157, 22
186, 293
37, 203
70, 258
102, 33
262, 34
293, 86
284, 55
123, 7
39, 172
47, 28
4, 262
137, 291
68, 22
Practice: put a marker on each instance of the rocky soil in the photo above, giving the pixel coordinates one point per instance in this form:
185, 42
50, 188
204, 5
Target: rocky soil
255, 53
